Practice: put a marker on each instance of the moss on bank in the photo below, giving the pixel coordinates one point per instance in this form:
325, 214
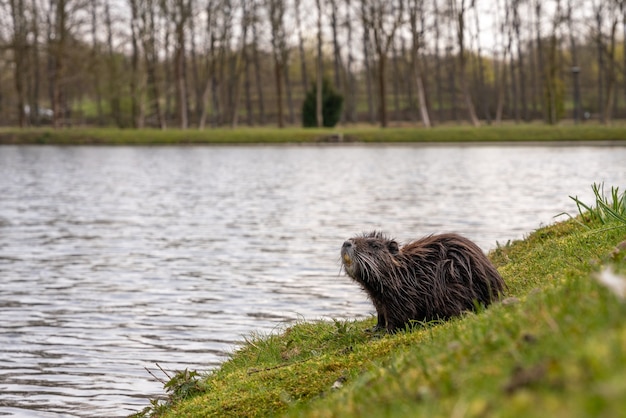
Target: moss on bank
443, 134
555, 347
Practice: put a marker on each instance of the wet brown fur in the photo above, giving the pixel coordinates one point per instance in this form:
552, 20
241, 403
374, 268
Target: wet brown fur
436, 277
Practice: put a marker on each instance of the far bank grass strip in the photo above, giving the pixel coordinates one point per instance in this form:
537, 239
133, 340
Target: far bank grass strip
444, 134
556, 346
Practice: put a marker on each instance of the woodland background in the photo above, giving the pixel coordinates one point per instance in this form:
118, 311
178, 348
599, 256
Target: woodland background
212, 63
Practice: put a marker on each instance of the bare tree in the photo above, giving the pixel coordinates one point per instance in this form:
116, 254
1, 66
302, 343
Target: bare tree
611, 76
179, 13
319, 116
575, 68
383, 18
190, 61
303, 70
148, 36
438, 66
540, 57
598, 7
195, 63
276, 13
367, 63
459, 11
500, 70
485, 100
237, 63
622, 6
517, 23
285, 53
350, 93
35, 80
257, 63
416, 12
334, 23
114, 84
210, 57
57, 54
221, 100
512, 66
552, 86
136, 103
20, 31
94, 60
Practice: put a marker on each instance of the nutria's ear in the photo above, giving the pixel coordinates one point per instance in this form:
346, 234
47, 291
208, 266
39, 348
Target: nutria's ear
393, 247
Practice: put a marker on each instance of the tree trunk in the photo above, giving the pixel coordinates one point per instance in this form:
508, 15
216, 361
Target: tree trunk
601, 67
485, 100
257, 74
336, 50
623, 9
238, 67
351, 88
520, 61
509, 52
50, 56
438, 66
195, 72
167, 67
208, 60
383, 20
367, 64
396, 82
36, 72
150, 56
575, 69
540, 59
94, 61
303, 71
319, 116
415, 65
406, 75
58, 55
610, 71
469, 105
500, 72
181, 12
19, 57
114, 91
136, 115
247, 89
276, 12
382, 90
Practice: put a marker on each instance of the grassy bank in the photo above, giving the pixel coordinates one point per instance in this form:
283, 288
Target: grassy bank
556, 346
513, 133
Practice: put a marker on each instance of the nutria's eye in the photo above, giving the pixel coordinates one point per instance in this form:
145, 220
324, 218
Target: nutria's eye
393, 247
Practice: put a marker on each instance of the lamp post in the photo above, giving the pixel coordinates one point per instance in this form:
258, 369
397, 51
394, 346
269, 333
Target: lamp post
575, 73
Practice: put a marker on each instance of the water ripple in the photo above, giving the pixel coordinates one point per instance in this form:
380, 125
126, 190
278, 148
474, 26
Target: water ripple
114, 259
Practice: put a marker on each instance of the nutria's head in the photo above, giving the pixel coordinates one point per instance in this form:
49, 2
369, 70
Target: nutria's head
368, 257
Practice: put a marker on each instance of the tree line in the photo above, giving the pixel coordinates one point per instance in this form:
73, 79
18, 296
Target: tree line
211, 63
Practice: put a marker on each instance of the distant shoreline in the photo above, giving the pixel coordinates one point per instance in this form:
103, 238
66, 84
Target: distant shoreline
509, 135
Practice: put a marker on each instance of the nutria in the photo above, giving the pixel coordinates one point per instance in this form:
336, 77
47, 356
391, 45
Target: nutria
436, 277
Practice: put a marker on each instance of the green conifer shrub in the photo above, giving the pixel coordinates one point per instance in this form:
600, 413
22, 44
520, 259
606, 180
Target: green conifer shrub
332, 103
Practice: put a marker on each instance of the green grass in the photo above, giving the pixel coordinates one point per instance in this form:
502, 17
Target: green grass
457, 134
607, 208
556, 346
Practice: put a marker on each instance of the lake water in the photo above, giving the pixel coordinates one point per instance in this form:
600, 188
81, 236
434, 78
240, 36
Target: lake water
113, 259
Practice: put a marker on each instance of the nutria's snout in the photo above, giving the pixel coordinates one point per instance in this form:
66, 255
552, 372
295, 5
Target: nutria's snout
347, 253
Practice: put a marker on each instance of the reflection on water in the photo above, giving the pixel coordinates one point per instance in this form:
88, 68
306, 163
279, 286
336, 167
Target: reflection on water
114, 259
